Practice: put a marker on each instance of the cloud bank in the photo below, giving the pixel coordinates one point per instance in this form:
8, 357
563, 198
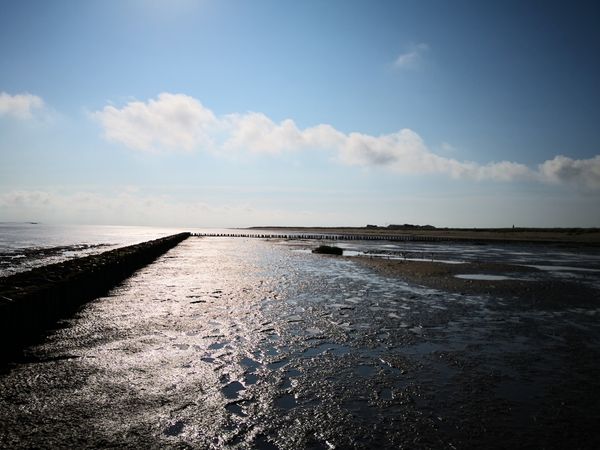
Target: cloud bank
132, 207
180, 123
20, 106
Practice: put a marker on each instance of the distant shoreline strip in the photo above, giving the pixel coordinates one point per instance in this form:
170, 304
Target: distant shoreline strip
333, 237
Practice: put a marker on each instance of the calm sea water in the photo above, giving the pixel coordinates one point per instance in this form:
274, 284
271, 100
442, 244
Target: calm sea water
24, 246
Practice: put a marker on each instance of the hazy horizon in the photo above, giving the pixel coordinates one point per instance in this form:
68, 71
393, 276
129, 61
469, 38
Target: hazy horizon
234, 114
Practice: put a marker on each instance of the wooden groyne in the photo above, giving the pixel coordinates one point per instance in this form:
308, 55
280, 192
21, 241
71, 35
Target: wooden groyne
32, 301
329, 237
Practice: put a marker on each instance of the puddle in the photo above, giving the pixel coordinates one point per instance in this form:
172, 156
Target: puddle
236, 409
354, 253
249, 363
364, 371
293, 373
423, 348
286, 401
217, 345
232, 389
262, 443
358, 407
325, 347
271, 351
277, 364
250, 379
239, 408
174, 429
518, 391
561, 268
443, 261
485, 277
386, 394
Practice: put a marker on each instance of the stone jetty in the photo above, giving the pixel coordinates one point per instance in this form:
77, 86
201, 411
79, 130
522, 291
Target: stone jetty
32, 301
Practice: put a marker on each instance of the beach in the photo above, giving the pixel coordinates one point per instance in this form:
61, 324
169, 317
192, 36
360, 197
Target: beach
260, 343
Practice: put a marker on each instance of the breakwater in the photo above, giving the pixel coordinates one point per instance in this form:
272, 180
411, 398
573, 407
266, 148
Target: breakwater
331, 237
32, 301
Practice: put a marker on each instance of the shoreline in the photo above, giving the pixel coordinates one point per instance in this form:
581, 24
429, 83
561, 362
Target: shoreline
575, 236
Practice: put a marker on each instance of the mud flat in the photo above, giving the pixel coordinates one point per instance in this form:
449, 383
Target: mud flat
501, 280
29, 258
33, 300
586, 236
260, 344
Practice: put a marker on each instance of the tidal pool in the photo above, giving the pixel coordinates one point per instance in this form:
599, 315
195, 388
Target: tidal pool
240, 343
484, 277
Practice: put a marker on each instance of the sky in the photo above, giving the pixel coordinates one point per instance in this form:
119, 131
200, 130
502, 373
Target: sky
317, 113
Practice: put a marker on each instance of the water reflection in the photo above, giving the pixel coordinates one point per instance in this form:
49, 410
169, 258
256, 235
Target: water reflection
485, 277
250, 344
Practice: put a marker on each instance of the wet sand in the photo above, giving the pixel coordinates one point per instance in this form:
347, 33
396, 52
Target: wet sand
585, 236
522, 282
257, 344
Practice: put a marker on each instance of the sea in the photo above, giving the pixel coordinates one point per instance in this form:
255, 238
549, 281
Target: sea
24, 246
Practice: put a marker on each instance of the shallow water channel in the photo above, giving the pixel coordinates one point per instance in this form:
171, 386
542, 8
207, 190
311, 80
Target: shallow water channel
254, 344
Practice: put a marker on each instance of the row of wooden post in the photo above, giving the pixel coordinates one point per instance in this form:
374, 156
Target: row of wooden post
330, 237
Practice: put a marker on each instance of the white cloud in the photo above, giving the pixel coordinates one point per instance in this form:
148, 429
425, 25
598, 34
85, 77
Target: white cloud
257, 133
172, 122
20, 106
405, 152
562, 169
411, 58
176, 122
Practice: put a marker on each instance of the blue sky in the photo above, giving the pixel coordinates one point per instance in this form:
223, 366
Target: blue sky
233, 113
